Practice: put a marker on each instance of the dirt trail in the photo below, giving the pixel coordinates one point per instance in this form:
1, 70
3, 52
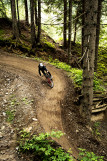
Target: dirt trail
47, 106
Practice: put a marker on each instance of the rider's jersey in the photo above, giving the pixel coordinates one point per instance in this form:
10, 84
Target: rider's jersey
43, 69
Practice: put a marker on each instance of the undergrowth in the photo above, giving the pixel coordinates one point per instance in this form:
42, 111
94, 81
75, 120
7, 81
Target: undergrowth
88, 156
95, 130
102, 61
47, 43
1, 34
45, 149
76, 74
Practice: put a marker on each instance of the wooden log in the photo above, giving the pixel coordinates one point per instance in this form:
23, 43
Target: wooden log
97, 106
100, 99
99, 110
96, 99
98, 96
97, 92
101, 106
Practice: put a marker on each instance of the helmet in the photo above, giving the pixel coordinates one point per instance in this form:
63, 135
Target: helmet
41, 64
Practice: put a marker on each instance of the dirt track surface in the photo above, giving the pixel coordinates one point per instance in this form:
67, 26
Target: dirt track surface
44, 114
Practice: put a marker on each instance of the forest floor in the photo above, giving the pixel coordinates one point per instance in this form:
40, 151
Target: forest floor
27, 102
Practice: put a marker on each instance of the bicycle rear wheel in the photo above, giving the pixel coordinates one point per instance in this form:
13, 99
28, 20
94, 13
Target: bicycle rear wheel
50, 82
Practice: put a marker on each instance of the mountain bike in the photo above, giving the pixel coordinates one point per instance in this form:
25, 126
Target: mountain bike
49, 80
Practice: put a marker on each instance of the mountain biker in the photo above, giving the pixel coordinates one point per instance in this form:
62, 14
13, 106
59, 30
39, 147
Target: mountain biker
42, 68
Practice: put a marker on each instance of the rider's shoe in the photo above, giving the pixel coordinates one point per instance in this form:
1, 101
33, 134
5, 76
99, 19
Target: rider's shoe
51, 77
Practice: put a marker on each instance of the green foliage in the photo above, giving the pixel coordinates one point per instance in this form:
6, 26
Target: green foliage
13, 102
103, 37
59, 64
10, 112
1, 34
88, 156
24, 134
26, 101
76, 74
76, 48
102, 61
97, 84
43, 147
47, 43
10, 115
95, 131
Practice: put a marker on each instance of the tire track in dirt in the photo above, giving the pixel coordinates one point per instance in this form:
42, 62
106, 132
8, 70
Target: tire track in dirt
49, 110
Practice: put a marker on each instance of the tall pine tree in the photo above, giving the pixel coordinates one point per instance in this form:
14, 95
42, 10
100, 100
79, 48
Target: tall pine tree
89, 39
14, 20
33, 37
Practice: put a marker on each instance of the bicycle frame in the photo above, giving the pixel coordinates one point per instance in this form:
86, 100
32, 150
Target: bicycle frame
49, 80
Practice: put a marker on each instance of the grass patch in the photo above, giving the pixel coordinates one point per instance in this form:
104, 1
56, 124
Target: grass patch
27, 101
10, 115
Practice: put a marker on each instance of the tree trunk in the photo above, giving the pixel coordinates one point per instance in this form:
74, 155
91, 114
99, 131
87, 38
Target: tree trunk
33, 38
89, 39
97, 32
26, 12
39, 21
18, 23
75, 26
83, 12
75, 31
65, 25
36, 17
69, 30
14, 20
